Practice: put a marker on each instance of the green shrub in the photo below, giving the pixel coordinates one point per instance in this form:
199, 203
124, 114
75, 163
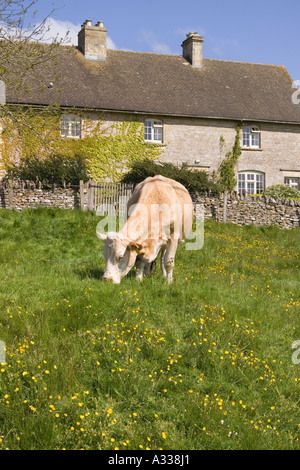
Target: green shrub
57, 168
282, 191
194, 181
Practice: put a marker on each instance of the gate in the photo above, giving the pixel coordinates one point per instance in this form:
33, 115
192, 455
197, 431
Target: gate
104, 197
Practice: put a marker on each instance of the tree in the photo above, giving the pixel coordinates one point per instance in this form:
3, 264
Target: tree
24, 42
25, 50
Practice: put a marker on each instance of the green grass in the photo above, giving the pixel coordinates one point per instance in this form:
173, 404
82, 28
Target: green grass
205, 363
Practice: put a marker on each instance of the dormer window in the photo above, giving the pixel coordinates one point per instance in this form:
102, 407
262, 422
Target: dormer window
153, 131
251, 137
70, 126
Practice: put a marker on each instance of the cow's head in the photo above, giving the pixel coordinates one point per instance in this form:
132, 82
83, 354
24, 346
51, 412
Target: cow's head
120, 254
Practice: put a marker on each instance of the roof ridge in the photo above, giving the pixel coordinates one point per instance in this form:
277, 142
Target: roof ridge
149, 53
244, 62
204, 58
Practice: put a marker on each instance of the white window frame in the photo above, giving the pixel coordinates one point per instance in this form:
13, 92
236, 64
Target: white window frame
152, 133
251, 182
292, 182
254, 137
70, 126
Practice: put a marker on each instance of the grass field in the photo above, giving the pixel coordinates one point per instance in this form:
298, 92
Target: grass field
205, 363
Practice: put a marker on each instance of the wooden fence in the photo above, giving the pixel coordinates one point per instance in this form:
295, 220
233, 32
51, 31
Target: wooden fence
103, 197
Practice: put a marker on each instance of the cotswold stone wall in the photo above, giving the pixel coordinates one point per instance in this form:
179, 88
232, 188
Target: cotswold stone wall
251, 210
21, 195
248, 210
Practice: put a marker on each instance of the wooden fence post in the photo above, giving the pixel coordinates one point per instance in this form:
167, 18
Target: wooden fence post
90, 195
81, 194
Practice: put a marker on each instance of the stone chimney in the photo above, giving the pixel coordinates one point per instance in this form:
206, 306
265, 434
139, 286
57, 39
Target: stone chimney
92, 40
192, 49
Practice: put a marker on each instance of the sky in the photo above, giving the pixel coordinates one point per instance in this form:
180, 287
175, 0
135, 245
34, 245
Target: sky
260, 31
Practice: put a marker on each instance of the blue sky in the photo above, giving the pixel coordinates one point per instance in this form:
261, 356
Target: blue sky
263, 31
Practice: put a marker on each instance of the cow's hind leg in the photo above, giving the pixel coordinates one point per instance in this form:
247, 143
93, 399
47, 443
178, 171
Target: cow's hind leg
169, 259
149, 268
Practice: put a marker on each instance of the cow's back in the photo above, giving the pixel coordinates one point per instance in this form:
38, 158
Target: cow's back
159, 189
165, 191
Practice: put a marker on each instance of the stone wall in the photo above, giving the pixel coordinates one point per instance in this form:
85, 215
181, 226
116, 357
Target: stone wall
21, 195
251, 210
240, 210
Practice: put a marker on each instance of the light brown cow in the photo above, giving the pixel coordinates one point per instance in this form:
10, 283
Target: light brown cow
160, 214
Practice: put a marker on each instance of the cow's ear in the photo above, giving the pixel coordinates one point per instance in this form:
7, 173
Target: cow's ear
102, 236
137, 246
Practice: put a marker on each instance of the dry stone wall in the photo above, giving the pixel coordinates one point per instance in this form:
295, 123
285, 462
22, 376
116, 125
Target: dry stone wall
248, 210
21, 195
251, 210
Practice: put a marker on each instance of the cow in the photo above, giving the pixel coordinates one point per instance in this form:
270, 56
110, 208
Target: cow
160, 215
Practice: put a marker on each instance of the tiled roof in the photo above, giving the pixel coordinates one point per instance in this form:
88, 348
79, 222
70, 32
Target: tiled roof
164, 85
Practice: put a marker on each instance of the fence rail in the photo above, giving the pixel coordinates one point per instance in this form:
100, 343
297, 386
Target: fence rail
104, 197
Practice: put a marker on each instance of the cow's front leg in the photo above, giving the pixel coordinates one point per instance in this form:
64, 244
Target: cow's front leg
139, 265
169, 259
162, 265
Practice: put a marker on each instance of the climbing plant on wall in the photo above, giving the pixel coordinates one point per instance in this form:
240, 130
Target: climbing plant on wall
227, 167
112, 154
106, 150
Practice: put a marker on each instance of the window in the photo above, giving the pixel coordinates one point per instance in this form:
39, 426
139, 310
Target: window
251, 182
153, 131
292, 182
251, 137
70, 126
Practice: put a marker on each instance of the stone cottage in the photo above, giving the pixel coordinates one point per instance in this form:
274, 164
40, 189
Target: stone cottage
189, 104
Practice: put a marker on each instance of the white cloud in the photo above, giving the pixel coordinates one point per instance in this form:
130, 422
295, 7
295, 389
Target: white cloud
59, 29
156, 46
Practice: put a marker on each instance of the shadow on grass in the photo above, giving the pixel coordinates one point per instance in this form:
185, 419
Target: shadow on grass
89, 273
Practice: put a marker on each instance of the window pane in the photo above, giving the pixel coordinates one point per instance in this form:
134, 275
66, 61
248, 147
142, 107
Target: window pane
255, 140
64, 126
158, 134
148, 130
75, 128
293, 182
250, 188
246, 136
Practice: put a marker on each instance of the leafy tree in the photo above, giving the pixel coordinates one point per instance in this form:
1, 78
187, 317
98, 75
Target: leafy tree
59, 169
194, 181
26, 50
23, 44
